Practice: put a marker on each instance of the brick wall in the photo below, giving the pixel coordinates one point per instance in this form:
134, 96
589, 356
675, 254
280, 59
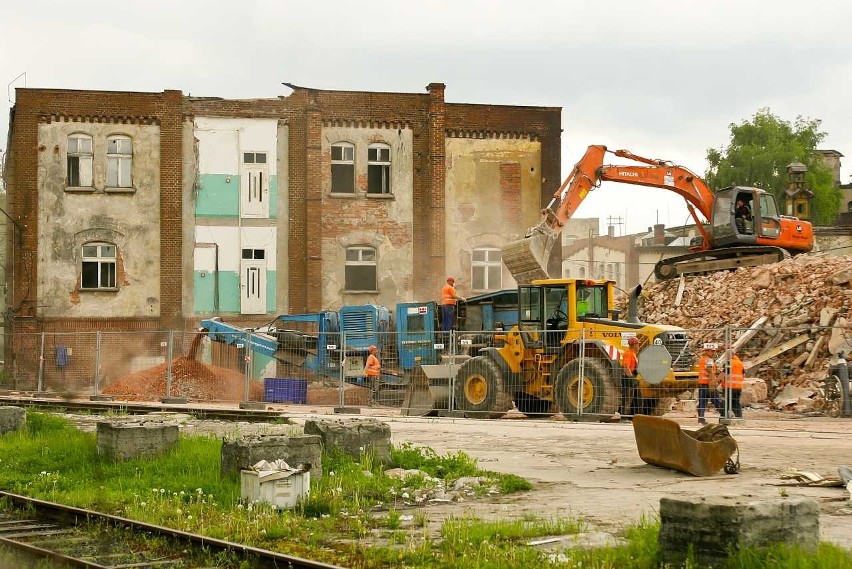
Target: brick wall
430, 118
34, 106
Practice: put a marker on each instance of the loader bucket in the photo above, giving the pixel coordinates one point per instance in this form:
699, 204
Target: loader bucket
527, 258
662, 442
424, 397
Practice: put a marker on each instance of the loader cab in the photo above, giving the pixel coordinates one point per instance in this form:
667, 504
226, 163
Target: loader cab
554, 306
731, 227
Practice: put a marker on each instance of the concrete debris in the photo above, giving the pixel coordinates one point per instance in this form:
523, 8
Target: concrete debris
788, 320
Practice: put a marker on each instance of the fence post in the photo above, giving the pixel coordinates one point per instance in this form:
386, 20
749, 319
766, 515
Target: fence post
581, 387
96, 386
726, 374
40, 386
450, 350
169, 357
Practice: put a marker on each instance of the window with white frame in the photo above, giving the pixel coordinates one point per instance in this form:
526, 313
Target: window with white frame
119, 162
79, 161
487, 268
379, 169
98, 266
361, 269
343, 168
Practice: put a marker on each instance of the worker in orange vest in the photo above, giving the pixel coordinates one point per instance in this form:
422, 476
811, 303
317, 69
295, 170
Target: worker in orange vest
448, 304
373, 368
629, 361
707, 382
734, 381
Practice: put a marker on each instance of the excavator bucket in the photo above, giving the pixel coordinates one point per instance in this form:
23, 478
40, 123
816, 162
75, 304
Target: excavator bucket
527, 258
662, 442
424, 397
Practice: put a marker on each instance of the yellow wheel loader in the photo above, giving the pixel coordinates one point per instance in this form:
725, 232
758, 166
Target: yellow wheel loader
562, 356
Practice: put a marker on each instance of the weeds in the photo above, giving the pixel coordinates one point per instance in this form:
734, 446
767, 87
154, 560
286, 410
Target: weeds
183, 489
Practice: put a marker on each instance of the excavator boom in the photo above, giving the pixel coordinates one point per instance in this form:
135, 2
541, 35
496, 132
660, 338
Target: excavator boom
527, 258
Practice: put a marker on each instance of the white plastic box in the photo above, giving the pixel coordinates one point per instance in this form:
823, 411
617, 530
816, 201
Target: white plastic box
281, 488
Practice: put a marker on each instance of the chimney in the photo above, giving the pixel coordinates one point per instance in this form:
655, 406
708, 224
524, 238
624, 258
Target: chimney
610, 231
659, 234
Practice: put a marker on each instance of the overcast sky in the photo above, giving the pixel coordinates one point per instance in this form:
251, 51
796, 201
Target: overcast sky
662, 78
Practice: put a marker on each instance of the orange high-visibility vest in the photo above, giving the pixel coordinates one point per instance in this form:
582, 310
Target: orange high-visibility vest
373, 367
629, 361
448, 294
737, 375
706, 365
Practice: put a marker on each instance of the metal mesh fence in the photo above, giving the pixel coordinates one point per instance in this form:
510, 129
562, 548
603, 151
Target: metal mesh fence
581, 373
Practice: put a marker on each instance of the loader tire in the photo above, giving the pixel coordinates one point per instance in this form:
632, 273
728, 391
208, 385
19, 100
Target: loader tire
594, 392
479, 390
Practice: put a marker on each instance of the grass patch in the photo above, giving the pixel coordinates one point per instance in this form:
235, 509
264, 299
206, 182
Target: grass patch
348, 507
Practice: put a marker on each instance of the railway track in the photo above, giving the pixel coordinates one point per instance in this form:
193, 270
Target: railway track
198, 411
75, 537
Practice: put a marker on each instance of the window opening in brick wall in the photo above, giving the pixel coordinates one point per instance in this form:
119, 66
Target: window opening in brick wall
378, 169
79, 161
343, 168
487, 269
98, 266
254, 157
119, 162
361, 269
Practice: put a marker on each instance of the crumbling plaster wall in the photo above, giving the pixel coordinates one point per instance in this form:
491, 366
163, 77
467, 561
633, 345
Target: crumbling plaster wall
67, 220
493, 192
384, 222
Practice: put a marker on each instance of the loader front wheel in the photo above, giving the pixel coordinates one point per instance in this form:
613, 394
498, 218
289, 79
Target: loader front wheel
592, 392
479, 390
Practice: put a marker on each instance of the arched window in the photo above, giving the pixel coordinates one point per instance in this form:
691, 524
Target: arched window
486, 269
119, 162
79, 161
379, 169
361, 269
582, 272
343, 168
98, 266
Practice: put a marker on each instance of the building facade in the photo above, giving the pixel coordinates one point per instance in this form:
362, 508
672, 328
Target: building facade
150, 211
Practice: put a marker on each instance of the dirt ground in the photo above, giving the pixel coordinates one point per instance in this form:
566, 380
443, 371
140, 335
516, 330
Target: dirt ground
593, 470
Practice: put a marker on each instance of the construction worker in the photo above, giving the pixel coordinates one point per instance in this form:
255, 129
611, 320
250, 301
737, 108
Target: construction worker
373, 368
734, 381
629, 361
448, 304
707, 381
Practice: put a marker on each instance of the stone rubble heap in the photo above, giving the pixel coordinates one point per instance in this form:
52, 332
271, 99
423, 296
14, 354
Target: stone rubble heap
798, 309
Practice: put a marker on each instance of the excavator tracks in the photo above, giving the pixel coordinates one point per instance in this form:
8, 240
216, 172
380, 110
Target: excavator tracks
75, 537
718, 260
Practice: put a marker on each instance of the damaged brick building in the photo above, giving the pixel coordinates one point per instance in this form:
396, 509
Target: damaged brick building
150, 211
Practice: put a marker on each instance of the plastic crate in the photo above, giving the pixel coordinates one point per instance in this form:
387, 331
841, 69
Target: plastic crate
285, 390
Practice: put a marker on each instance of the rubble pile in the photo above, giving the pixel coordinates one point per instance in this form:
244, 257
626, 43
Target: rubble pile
789, 319
190, 378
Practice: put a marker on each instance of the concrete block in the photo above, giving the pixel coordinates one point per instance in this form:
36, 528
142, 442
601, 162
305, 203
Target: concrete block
245, 452
716, 525
124, 441
12, 418
354, 436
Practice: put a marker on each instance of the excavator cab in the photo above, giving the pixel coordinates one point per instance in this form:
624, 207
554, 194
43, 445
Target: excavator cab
745, 216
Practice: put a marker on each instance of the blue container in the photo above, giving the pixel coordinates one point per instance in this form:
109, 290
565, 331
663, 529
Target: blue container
285, 390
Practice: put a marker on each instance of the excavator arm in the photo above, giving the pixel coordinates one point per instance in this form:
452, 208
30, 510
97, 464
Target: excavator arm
527, 258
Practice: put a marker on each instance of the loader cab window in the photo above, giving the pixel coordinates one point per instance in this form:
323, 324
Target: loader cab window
592, 301
529, 304
556, 308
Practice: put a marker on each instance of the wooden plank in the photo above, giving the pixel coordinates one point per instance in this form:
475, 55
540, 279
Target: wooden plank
768, 355
680, 288
810, 361
744, 337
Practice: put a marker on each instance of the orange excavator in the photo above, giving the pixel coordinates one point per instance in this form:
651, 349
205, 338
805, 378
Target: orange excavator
741, 225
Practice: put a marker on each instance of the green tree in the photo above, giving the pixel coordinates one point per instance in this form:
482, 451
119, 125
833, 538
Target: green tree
759, 152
